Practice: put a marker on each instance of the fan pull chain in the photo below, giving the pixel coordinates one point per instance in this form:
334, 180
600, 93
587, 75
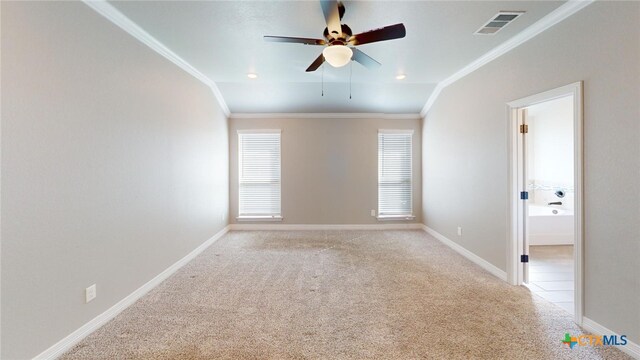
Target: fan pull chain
350, 75
322, 79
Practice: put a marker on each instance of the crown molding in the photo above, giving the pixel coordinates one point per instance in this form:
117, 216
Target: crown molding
324, 116
564, 11
105, 9
112, 14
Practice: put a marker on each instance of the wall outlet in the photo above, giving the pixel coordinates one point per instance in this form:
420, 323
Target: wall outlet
459, 231
90, 293
373, 212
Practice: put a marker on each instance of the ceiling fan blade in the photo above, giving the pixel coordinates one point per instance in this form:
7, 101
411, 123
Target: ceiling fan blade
391, 32
332, 17
316, 63
364, 59
298, 40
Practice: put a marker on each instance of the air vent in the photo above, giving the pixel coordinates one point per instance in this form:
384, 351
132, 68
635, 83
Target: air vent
498, 22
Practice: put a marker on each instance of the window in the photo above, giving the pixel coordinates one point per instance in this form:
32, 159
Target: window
394, 174
259, 177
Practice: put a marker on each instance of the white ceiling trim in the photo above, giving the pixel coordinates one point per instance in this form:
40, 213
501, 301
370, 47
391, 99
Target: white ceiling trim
115, 16
564, 11
324, 116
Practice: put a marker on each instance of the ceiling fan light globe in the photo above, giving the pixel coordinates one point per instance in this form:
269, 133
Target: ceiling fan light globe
337, 55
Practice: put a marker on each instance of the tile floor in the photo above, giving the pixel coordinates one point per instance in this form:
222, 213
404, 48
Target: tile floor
551, 274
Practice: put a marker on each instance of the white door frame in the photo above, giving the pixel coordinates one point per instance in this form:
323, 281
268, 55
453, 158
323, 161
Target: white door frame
514, 267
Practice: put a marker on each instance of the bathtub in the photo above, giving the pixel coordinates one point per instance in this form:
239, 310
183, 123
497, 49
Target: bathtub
550, 225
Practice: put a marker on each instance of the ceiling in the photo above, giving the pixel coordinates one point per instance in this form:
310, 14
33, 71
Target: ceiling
223, 40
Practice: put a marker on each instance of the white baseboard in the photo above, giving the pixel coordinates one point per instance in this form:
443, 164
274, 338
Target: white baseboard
502, 275
271, 226
75, 337
632, 349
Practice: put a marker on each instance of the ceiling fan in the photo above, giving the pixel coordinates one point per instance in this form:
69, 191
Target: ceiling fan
340, 43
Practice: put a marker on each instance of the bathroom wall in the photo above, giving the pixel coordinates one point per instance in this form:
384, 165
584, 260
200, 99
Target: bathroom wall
550, 151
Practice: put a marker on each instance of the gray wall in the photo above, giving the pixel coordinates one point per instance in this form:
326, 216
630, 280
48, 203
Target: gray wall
329, 167
114, 166
465, 151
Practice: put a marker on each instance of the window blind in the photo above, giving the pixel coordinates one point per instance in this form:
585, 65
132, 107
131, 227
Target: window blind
259, 178
394, 173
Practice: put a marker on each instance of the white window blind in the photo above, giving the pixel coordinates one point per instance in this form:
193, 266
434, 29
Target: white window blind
259, 178
394, 174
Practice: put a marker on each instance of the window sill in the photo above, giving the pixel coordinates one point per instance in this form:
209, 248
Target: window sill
259, 218
396, 218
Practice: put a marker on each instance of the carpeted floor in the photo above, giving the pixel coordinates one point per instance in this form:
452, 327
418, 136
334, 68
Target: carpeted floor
336, 295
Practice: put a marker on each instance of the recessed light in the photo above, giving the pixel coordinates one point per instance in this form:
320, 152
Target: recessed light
401, 77
252, 76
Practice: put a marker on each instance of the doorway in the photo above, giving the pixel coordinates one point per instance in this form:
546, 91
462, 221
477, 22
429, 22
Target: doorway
546, 196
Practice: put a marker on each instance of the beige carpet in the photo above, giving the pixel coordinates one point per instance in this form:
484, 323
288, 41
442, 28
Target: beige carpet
336, 295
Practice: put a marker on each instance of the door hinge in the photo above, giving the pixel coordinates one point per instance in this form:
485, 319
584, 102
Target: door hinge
524, 195
524, 258
524, 129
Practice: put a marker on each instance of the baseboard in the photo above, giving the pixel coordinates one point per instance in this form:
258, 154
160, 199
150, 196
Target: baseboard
502, 275
75, 337
271, 226
632, 349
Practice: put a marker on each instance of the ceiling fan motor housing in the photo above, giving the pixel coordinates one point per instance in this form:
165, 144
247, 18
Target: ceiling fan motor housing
346, 34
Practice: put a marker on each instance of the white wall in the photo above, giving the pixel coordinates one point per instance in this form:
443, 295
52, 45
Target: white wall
550, 151
465, 153
551, 137
329, 167
114, 166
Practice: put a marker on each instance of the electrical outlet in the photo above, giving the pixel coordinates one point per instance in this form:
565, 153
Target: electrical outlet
459, 231
90, 293
373, 212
